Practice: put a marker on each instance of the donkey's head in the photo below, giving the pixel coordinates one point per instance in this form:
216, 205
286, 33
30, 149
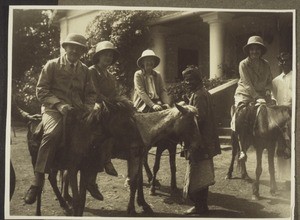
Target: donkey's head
186, 126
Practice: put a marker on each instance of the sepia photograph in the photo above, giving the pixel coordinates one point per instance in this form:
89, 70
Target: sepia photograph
162, 112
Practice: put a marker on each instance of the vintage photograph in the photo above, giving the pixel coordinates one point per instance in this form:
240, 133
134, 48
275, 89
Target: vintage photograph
150, 112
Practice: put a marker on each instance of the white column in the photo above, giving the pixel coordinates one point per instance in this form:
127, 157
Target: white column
159, 34
64, 30
216, 21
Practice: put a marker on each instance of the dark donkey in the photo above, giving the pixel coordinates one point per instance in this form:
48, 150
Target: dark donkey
116, 121
261, 127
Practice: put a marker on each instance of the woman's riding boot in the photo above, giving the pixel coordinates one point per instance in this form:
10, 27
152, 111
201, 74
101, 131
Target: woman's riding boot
110, 169
35, 189
93, 188
108, 166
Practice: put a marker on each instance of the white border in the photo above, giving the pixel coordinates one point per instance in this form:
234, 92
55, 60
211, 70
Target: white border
99, 7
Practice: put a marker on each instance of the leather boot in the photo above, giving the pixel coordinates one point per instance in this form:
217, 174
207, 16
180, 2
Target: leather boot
109, 169
94, 191
32, 193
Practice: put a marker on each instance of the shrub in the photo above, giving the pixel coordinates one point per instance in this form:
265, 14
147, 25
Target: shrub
129, 32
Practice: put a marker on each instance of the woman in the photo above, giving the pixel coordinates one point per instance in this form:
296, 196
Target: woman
149, 91
200, 169
105, 87
255, 83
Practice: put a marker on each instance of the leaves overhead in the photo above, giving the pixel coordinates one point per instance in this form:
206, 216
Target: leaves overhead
129, 31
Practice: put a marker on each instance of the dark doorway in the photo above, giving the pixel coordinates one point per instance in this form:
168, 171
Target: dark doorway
186, 57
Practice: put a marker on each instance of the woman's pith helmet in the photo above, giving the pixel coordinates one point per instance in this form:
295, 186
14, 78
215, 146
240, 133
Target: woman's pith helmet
148, 53
103, 46
257, 40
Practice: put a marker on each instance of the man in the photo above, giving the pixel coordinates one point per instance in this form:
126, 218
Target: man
200, 172
62, 86
282, 92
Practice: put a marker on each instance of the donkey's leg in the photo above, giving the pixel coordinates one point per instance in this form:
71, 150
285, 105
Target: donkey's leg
65, 186
74, 188
53, 182
255, 185
82, 191
147, 168
140, 198
172, 161
234, 152
133, 169
271, 153
154, 182
39, 204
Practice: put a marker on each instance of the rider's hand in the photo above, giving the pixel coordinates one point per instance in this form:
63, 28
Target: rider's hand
63, 108
268, 93
34, 117
96, 106
157, 108
261, 101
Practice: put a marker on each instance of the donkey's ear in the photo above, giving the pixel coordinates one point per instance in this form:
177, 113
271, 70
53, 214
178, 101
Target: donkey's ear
181, 109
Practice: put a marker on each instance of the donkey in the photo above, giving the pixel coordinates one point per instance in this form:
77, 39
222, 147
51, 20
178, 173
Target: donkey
34, 135
169, 144
262, 130
116, 121
165, 129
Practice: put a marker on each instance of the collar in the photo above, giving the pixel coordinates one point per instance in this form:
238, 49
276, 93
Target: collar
153, 73
64, 61
286, 75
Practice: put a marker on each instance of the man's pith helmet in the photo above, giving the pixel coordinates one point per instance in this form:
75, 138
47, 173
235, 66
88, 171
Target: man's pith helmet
76, 39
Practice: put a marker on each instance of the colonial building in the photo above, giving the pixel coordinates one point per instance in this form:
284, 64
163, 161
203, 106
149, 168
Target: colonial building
212, 40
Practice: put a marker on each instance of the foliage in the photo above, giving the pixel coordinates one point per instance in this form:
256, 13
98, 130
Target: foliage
35, 41
178, 90
24, 92
128, 31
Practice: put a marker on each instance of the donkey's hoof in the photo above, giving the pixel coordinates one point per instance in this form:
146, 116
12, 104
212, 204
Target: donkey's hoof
156, 183
246, 177
228, 177
147, 209
255, 197
273, 193
131, 212
152, 192
175, 191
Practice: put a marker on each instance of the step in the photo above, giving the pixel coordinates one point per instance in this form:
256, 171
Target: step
225, 139
224, 131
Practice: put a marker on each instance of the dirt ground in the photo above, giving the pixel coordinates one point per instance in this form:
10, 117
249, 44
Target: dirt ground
227, 198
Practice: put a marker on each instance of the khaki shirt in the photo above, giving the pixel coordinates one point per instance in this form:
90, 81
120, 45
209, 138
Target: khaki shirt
59, 83
141, 97
253, 83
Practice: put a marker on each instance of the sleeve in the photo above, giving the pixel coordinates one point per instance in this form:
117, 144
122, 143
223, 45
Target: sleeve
274, 89
89, 93
269, 77
201, 103
43, 88
246, 80
163, 91
140, 89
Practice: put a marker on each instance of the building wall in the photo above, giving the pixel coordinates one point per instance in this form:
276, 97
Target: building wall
76, 21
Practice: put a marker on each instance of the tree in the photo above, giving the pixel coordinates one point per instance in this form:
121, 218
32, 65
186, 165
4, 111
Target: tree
35, 41
129, 32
